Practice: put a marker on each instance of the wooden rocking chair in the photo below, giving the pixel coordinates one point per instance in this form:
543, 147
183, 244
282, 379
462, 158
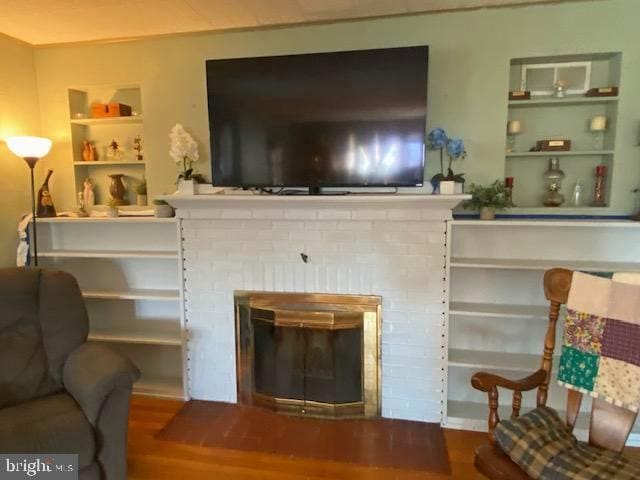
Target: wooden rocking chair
609, 426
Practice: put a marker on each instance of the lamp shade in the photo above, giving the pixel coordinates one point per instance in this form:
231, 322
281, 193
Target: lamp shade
29, 147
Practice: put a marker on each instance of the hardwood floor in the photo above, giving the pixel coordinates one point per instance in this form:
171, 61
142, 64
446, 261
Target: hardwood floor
150, 458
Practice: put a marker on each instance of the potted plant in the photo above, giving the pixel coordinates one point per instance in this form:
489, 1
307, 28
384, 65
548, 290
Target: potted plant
183, 149
450, 183
141, 193
112, 208
487, 199
162, 209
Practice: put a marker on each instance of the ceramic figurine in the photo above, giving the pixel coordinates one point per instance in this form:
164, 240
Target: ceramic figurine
88, 197
114, 152
86, 150
93, 153
45, 202
137, 146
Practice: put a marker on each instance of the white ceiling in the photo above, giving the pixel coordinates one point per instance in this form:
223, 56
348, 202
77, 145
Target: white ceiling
60, 21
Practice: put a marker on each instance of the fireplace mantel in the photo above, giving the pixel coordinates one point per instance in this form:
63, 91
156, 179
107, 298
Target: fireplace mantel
185, 204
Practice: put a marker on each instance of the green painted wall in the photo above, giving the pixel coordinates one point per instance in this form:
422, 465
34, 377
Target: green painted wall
19, 115
468, 78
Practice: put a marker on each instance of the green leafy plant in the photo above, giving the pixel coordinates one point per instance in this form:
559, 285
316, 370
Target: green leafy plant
141, 187
492, 196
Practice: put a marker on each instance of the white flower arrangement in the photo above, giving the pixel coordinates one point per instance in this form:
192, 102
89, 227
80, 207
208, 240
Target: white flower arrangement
183, 149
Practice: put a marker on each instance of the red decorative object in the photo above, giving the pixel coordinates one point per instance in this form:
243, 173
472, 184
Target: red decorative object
598, 194
508, 183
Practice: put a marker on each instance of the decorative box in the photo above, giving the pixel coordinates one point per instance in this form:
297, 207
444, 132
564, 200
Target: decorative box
602, 92
520, 95
99, 110
118, 110
553, 145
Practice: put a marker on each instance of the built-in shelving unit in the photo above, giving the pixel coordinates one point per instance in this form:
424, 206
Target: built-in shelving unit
498, 315
535, 264
132, 294
129, 270
107, 121
168, 254
569, 100
495, 310
143, 338
101, 131
544, 117
473, 416
480, 359
570, 153
99, 163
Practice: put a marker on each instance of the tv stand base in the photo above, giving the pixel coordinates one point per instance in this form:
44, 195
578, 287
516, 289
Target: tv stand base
314, 191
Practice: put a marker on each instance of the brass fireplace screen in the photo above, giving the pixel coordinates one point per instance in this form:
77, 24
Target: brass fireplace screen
309, 354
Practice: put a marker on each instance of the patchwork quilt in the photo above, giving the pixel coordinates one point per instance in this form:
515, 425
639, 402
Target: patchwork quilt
601, 343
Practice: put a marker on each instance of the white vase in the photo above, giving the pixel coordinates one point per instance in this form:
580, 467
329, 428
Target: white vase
487, 213
186, 187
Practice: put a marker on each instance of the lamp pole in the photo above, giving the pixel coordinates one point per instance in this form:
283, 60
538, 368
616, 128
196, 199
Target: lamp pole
31, 161
31, 149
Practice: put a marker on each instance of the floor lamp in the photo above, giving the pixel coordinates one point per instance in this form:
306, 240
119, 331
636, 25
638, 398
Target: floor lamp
31, 149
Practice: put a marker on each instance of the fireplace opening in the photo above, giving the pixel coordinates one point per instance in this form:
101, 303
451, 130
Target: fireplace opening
309, 354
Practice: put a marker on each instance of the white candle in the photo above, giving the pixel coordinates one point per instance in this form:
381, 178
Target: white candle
514, 127
598, 123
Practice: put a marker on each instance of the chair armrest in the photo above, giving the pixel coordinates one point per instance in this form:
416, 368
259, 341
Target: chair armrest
92, 372
486, 381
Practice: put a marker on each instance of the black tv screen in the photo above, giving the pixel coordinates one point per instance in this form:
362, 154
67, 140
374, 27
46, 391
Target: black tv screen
343, 119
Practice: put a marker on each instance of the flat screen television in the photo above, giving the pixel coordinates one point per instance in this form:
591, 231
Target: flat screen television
340, 119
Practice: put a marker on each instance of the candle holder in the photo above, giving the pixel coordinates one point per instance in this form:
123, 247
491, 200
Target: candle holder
514, 128
597, 127
553, 179
560, 89
508, 191
599, 193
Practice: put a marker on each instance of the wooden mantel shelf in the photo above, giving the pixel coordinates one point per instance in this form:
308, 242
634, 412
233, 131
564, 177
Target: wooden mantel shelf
374, 201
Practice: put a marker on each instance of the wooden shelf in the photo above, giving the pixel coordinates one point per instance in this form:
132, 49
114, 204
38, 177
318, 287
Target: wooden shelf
570, 153
135, 294
140, 338
501, 361
159, 387
100, 163
171, 255
527, 264
107, 120
570, 100
496, 310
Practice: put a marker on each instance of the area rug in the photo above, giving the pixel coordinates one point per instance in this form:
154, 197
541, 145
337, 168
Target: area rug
380, 442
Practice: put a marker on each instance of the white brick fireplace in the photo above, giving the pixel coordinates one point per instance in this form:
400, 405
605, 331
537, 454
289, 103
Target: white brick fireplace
394, 246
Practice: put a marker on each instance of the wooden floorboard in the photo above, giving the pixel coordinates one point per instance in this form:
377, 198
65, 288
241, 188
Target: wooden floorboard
150, 458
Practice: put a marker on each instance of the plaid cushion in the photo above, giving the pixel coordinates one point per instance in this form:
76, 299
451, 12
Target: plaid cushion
542, 445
